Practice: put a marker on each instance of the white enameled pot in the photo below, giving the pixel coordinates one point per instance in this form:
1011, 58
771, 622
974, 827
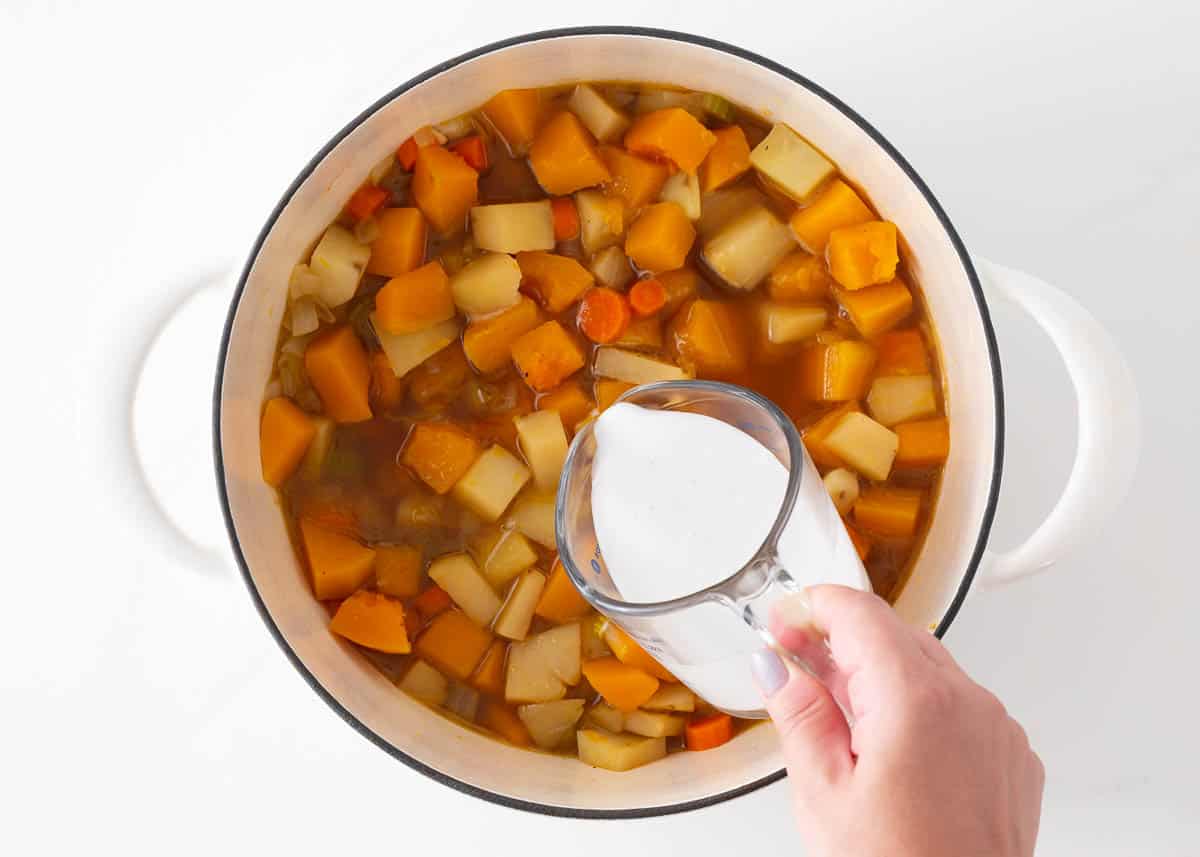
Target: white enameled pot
954, 553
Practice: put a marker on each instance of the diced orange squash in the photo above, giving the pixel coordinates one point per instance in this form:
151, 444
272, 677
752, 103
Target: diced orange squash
798, 276
835, 372
414, 301
877, 308
923, 443
488, 344
432, 601
444, 187
400, 245
902, 352
888, 511
571, 402
709, 337
835, 207
439, 453
630, 653
608, 390
727, 160
502, 720
862, 543
489, 675
337, 367
814, 436
387, 391
515, 113
339, 564
557, 281
454, 644
373, 620
636, 180
564, 157
398, 570
284, 436
560, 601
863, 255
546, 356
673, 134
661, 237
682, 284
622, 686
439, 379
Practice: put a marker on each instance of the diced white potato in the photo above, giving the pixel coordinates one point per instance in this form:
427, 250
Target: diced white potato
303, 282
649, 100
781, 323
719, 208
513, 227
339, 261
550, 724
517, 613
683, 189
462, 581
654, 724
407, 351
790, 163
747, 248
487, 285
602, 749
541, 667
643, 334
501, 554
611, 268
606, 717
633, 368
900, 398
491, 483
543, 442
671, 697
842, 486
594, 645
425, 683
318, 448
604, 121
601, 220
864, 444
533, 515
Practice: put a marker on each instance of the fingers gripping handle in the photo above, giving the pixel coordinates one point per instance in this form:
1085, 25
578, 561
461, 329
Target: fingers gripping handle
1108, 425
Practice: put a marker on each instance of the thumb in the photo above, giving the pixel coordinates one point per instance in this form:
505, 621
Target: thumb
812, 729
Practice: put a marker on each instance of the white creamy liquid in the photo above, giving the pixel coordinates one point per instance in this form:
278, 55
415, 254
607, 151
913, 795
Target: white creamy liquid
680, 502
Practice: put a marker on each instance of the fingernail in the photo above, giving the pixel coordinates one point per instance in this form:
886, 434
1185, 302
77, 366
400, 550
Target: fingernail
769, 671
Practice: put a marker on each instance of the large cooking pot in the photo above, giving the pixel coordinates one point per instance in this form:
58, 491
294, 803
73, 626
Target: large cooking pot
954, 554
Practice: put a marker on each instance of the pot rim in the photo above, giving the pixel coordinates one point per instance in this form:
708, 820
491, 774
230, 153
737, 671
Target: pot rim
546, 35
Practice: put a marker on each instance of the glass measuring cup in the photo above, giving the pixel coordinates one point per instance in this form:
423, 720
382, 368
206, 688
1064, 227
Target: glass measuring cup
705, 637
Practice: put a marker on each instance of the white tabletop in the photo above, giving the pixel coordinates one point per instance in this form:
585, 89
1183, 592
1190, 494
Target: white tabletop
144, 706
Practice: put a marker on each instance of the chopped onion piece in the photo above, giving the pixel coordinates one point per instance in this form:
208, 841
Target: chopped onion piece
302, 317
382, 168
429, 136
303, 281
456, 128
366, 231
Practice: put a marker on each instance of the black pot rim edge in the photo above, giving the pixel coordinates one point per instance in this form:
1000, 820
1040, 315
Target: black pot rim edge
543, 35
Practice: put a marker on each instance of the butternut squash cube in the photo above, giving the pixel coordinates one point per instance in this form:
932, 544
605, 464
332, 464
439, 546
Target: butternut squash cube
608, 391
453, 643
890, 512
902, 352
564, 157
681, 286
515, 114
400, 245
373, 620
546, 356
571, 402
444, 187
488, 343
790, 163
863, 255
336, 364
398, 570
672, 134
492, 482
815, 435
558, 281
865, 445
489, 675
923, 443
709, 338
502, 555
898, 399
877, 308
623, 687
835, 372
728, 159
414, 301
835, 207
661, 237
440, 454
560, 601
798, 276
285, 435
339, 565
460, 578
635, 180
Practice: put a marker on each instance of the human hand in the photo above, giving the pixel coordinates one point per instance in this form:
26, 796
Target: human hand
933, 767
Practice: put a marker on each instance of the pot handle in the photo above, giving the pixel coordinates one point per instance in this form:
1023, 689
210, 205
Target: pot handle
1108, 424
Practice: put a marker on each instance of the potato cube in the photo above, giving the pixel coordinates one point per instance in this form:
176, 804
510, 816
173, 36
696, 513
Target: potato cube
601, 749
835, 372
842, 486
541, 667
557, 281
571, 402
601, 220
544, 445
453, 643
533, 516
546, 356
900, 398
491, 483
790, 163
633, 368
513, 227
487, 285
877, 308
551, 724
683, 189
784, 324
836, 206
488, 343
338, 260
398, 570
721, 207
815, 435
661, 237
654, 724
745, 251
671, 697
890, 512
864, 445
440, 454
708, 338
642, 334
457, 574
863, 255
604, 121
425, 683
501, 554
517, 613
611, 268
406, 351
605, 716
923, 443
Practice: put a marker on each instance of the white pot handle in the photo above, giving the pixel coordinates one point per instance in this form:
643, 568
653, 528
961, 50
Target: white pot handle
1108, 426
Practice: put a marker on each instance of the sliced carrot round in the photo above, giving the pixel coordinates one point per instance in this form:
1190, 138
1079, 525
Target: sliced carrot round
603, 315
647, 297
566, 218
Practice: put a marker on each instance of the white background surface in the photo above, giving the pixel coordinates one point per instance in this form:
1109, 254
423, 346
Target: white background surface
143, 705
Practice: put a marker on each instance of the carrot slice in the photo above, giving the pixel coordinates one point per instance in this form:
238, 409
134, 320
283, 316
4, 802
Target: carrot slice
407, 154
708, 732
566, 218
647, 297
431, 602
603, 315
504, 722
473, 151
366, 201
